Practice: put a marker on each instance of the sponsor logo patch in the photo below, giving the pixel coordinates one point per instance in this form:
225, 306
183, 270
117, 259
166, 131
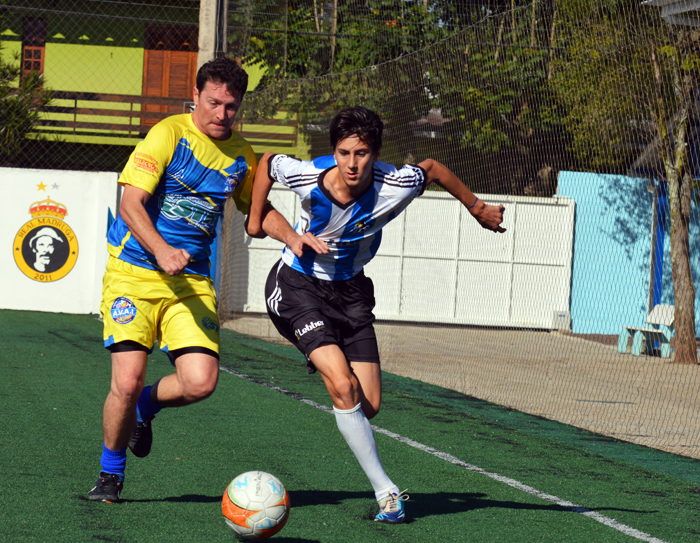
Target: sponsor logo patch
363, 224
209, 324
145, 162
318, 325
196, 211
235, 174
123, 310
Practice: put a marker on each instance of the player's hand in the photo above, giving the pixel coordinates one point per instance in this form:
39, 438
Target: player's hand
172, 261
491, 217
298, 243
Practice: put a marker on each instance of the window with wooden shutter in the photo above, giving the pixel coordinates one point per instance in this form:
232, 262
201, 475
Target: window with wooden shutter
32, 59
169, 67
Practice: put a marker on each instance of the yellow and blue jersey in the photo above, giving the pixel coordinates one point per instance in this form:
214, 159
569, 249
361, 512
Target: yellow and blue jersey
189, 176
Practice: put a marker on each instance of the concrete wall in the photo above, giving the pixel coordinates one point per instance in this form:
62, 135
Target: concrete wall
612, 252
70, 211
436, 264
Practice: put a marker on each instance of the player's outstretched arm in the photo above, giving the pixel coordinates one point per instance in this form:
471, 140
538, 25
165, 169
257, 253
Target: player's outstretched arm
266, 220
133, 211
488, 216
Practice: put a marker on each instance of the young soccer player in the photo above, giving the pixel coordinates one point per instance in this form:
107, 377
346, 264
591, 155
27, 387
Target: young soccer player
320, 299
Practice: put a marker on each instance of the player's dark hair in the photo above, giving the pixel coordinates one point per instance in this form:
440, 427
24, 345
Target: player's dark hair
357, 121
223, 70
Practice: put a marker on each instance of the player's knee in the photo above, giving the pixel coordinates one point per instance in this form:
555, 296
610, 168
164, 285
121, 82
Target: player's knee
345, 393
127, 388
196, 391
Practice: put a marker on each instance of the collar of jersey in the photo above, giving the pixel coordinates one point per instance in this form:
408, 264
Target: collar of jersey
335, 202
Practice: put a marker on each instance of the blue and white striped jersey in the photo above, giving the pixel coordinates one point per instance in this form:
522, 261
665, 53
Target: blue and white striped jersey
352, 231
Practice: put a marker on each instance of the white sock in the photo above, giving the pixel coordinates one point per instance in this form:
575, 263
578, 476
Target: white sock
356, 430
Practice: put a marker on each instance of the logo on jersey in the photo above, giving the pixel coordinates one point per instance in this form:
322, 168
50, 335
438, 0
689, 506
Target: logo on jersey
209, 324
196, 211
145, 162
308, 328
362, 225
123, 310
235, 174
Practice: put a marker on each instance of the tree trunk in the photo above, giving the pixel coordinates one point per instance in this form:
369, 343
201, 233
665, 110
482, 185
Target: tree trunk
334, 28
680, 187
552, 41
680, 191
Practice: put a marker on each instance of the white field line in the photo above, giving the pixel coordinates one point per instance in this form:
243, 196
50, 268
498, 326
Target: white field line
607, 521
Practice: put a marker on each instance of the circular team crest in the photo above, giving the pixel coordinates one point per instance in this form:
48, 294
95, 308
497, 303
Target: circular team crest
46, 248
123, 310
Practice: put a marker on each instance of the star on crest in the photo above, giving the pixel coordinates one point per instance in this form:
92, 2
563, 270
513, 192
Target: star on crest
42, 186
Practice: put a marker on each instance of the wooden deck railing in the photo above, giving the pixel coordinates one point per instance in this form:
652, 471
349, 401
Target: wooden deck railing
143, 112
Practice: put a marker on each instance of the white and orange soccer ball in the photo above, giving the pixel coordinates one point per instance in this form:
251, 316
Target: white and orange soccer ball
255, 505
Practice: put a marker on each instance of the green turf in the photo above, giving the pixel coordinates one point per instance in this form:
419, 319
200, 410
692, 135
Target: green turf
54, 376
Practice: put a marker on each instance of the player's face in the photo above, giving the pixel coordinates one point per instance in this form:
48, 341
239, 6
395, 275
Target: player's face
215, 110
355, 160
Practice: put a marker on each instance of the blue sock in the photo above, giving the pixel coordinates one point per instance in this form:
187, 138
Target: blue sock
113, 461
146, 408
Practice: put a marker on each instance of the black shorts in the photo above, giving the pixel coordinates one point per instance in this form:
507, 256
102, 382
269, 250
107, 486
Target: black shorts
311, 312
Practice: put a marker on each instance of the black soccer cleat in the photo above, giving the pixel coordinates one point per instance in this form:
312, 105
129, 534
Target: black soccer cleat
107, 489
141, 439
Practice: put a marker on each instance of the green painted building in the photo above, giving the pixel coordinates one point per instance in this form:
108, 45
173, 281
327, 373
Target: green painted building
115, 69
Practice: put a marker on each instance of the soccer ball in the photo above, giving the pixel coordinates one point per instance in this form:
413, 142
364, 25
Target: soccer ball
255, 505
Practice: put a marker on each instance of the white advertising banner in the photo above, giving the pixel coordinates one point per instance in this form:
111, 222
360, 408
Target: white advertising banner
53, 246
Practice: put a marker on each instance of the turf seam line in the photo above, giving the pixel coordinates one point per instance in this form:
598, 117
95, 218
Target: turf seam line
594, 515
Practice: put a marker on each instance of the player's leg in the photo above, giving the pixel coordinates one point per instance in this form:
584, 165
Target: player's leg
369, 376
348, 394
296, 306
341, 382
189, 333
348, 385
129, 334
119, 417
194, 380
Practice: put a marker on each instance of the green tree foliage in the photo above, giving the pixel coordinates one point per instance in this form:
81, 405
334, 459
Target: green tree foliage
22, 97
500, 97
630, 78
487, 84
309, 38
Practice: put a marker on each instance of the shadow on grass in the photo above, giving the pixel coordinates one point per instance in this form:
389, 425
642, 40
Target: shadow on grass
419, 506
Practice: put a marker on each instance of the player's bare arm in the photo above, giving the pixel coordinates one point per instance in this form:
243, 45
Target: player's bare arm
488, 216
264, 219
133, 211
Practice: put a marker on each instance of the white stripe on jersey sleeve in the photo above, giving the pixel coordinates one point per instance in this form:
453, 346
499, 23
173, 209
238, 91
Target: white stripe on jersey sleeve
292, 172
408, 176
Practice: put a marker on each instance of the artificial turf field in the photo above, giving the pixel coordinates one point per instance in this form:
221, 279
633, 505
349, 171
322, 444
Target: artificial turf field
474, 471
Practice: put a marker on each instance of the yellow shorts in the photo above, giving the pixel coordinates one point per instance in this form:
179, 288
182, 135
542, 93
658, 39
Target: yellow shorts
144, 305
